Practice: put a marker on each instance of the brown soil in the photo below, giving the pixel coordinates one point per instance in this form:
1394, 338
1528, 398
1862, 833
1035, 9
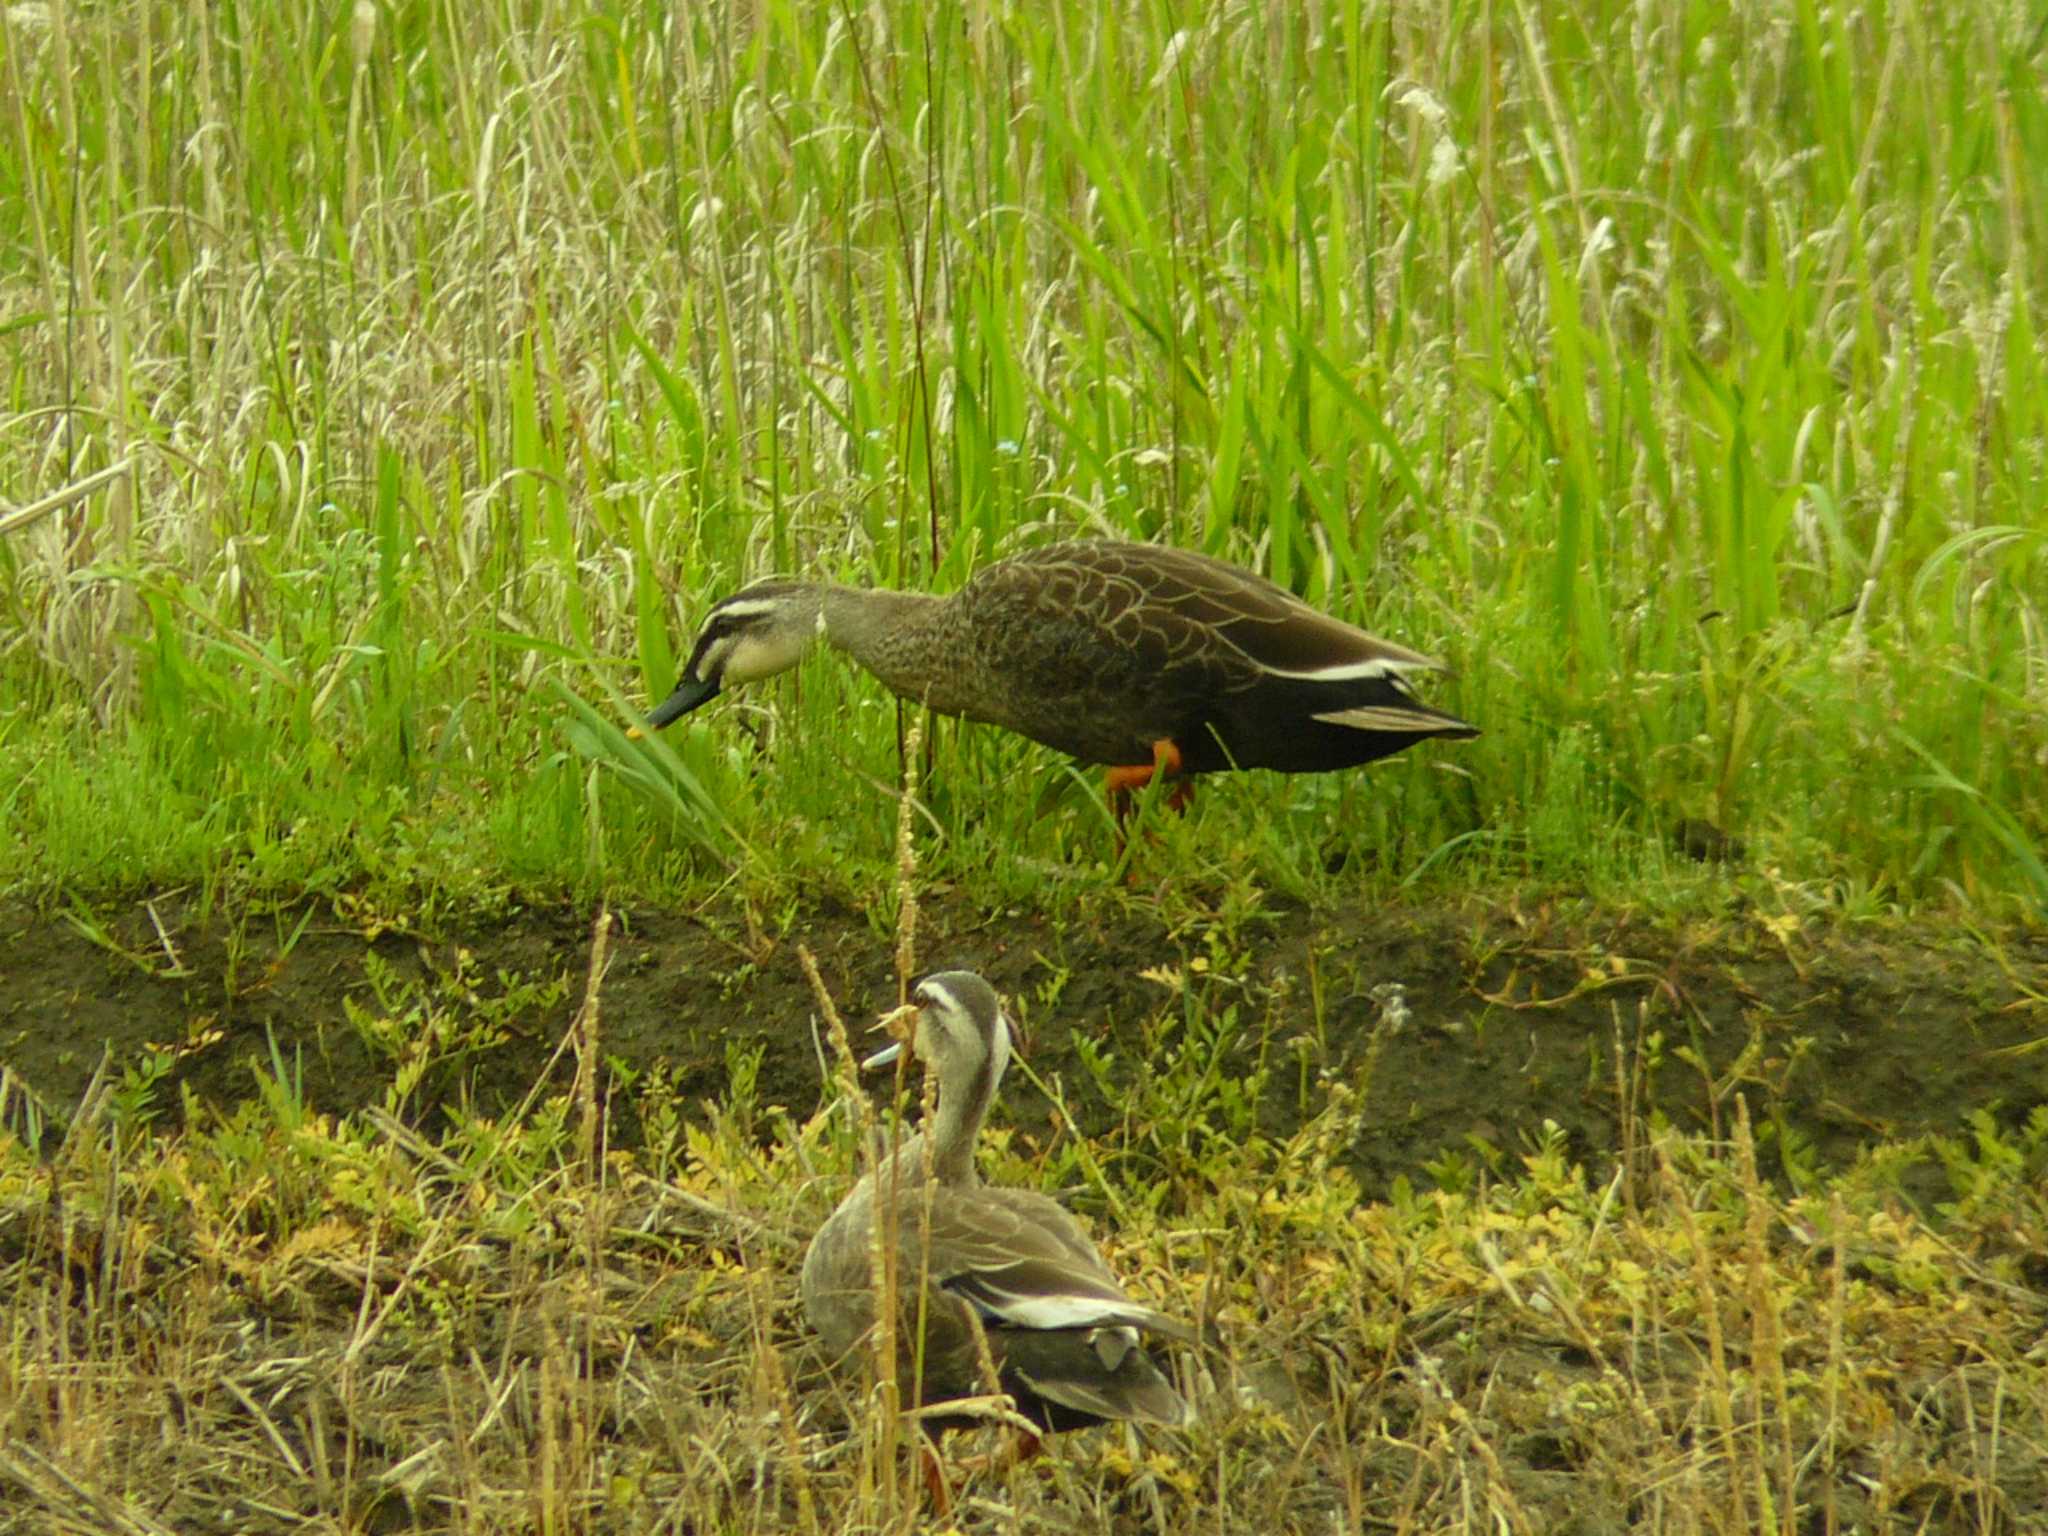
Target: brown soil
1516, 1017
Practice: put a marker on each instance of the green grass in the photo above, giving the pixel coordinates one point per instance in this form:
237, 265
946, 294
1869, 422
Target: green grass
1674, 375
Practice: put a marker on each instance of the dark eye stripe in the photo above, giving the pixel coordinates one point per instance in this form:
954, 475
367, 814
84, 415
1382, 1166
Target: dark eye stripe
706, 643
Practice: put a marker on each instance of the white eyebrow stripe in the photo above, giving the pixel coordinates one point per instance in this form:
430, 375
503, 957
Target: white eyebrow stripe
745, 607
941, 994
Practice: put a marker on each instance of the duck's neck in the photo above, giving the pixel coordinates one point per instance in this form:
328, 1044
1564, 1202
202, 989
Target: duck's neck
957, 1126
902, 637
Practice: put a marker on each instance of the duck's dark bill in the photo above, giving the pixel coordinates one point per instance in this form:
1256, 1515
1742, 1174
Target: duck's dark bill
688, 695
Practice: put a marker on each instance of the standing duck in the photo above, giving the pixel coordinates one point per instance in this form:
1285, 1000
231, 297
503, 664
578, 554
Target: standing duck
1146, 659
1065, 1340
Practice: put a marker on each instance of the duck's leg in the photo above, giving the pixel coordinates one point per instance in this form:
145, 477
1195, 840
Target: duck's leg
1018, 1446
1022, 1446
1121, 783
935, 1483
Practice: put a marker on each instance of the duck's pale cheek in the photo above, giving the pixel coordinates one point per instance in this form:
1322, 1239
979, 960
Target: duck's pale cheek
754, 658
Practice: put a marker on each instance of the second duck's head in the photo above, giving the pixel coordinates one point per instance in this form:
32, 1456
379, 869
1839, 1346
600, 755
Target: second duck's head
960, 1029
759, 631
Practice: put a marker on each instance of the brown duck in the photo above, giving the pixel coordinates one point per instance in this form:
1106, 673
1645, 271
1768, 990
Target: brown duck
1142, 658
1066, 1342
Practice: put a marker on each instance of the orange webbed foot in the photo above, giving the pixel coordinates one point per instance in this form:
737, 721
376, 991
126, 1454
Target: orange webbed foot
1121, 783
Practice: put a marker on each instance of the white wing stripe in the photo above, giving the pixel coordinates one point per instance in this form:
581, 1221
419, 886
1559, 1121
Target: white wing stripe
1384, 718
1354, 671
1054, 1311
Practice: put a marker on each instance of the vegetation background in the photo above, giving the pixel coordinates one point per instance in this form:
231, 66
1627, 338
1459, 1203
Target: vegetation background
390, 386
1672, 370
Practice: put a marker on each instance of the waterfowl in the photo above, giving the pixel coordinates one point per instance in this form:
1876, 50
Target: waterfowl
1066, 1342
1135, 656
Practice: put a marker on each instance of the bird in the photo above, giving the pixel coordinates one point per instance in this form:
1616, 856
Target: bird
1066, 1342
1148, 660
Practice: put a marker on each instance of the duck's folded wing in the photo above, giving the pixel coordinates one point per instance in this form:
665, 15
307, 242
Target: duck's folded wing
1102, 1373
1037, 1295
1018, 1268
1179, 607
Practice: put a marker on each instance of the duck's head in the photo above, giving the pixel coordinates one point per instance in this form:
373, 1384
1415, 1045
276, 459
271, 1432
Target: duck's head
759, 631
956, 1026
